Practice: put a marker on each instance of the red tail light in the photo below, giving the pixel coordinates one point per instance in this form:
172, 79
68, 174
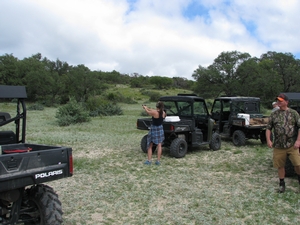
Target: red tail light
172, 128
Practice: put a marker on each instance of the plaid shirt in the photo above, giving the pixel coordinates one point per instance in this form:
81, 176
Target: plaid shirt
285, 124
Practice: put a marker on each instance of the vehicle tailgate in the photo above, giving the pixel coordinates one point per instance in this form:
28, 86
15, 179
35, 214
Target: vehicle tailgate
40, 164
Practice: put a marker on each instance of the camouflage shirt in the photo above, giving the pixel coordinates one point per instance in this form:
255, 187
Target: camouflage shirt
285, 124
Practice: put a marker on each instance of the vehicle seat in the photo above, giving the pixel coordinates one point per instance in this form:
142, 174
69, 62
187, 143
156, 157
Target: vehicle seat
225, 116
4, 116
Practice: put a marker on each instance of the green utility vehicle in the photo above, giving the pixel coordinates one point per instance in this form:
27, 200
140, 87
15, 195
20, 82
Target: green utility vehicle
25, 167
239, 118
188, 124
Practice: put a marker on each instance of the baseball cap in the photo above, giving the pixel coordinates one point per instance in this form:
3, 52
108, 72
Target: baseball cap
282, 97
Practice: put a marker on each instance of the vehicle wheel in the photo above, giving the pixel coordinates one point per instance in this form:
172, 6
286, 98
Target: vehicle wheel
178, 148
289, 168
144, 145
215, 143
41, 207
238, 138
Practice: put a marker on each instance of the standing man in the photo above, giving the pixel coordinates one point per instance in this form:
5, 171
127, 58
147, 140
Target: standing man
285, 123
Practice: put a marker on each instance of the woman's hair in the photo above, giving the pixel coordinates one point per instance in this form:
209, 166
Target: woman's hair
160, 106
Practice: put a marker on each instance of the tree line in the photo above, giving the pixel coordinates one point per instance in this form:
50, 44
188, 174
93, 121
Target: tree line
55, 82
238, 74
231, 73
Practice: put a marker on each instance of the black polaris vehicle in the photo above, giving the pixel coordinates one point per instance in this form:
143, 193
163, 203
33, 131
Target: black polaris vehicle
188, 124
239, 118
24, 167
294, 100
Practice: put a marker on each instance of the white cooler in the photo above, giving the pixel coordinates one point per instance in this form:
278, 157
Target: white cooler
172, 119
245, 116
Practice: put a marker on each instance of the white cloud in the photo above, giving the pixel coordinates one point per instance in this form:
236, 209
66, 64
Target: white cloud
147, 37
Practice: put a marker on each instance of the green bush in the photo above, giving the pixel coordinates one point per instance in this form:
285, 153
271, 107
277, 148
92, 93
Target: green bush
93, 103
108, 109
71, 113
128, 100
143, 113
153, 95
145, 92
100, 106
36, 106
114, 97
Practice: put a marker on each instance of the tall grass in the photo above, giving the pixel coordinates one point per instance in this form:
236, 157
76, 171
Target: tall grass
112, 186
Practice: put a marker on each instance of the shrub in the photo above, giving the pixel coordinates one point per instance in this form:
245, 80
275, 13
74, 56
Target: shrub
118, 97
129, 100
93, 103
36, 106
143, 113
107, 109
154, 96
71, 113
114, 97
100, 106
145, 92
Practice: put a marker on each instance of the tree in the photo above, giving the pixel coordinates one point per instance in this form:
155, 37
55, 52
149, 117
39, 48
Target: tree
9, 70
80, 83
57, 70
181, 82
221, 76
257, 79
114, 77
207, 83
39, 85
286, 67
226, 65
29, 64
270, 84
138, 81
161, 82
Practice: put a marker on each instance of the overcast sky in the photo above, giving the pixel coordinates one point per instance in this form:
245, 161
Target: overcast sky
150, 37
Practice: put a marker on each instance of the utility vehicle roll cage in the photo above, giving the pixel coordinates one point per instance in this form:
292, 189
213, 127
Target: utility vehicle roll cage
294, 100
185, 106
19, 93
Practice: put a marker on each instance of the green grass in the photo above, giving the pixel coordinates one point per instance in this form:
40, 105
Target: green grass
112, 186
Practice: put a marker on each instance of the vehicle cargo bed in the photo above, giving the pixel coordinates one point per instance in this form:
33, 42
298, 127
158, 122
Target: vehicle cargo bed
34, 164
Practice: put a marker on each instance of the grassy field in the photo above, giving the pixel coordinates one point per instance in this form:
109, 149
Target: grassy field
112, 186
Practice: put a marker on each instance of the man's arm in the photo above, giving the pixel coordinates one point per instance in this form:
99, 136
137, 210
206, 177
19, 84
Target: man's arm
268, 132
268, 138
297, 142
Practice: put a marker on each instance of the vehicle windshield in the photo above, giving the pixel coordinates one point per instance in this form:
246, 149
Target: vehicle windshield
245, 107
236, 106
178, 108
